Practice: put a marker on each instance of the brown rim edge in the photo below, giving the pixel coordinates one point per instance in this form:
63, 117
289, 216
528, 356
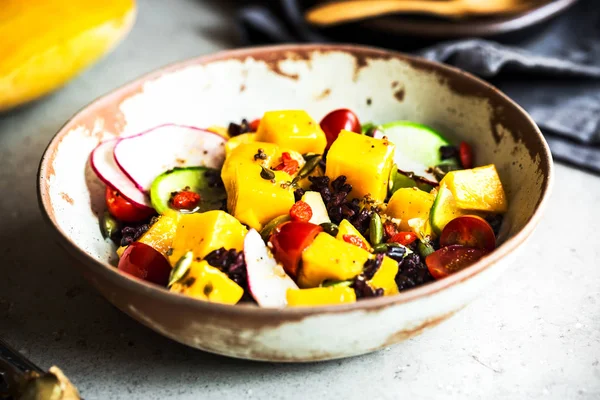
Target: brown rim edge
130, 283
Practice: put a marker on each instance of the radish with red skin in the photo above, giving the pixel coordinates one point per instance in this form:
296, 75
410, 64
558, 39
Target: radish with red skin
103, 164
145, 156
267, 281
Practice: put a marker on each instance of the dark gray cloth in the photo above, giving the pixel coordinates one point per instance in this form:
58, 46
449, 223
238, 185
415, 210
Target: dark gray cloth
555, 76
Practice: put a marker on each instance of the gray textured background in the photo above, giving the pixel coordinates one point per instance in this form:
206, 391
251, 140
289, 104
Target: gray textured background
535, 335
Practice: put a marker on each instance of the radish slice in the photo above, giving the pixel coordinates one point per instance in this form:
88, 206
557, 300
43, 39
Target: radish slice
102, 161
267, 281
146, 155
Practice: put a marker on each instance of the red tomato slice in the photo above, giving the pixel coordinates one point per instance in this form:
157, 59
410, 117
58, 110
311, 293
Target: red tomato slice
334, 122
451, 259
144, 262
289, 241
470, 231
123, 210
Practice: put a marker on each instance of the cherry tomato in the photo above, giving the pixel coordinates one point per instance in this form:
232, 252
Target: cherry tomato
466, 155
254, 125
301, 211
144, 262
451, 259
355, 240
333, 123
123, 210
470, 231
403, 238
289, 241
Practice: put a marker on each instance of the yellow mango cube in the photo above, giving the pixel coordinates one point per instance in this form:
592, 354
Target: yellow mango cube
235, 141
205, 282
292, 129
409, 203
205, 232
320, 296
385, 277
160, 235
477, 189
346, 228
330, 259
251, 198
365, 161
259, 200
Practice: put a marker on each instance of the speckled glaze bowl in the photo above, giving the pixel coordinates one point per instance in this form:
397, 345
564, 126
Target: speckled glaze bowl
379, 86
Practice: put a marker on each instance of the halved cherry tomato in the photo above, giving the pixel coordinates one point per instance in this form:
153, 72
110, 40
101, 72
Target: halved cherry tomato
144, 262
465, 153
123, 210
301, 211
254, 125
470, 231
289, 240
355, 240
403, 238
451, 259
333, 123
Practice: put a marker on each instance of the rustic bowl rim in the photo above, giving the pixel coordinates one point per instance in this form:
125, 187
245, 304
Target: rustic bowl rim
130, 283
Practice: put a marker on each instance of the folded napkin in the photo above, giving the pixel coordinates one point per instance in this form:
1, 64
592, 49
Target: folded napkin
555, 76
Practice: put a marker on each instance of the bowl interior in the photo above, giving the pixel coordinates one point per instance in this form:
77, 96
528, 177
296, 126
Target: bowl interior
379, 86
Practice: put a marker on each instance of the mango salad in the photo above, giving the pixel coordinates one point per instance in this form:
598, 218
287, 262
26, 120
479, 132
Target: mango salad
285, 211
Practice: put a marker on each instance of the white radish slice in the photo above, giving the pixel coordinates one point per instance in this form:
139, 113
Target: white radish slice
144, 156
102, 161
267, 281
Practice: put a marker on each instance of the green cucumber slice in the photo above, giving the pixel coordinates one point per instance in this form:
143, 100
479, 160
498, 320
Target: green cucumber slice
178, 179
444, 209
417, 146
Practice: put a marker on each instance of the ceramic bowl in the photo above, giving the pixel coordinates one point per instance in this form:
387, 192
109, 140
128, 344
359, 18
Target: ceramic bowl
379, 86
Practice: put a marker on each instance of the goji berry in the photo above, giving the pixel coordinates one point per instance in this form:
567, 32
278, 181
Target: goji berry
301, 211
390, 229
185, 200
288, 164
466, 155
355, 240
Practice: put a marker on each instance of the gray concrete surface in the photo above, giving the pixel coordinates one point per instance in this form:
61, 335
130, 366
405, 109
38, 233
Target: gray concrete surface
535, 335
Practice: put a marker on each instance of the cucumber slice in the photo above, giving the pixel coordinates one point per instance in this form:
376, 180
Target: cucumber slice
178, 179
417, 146
444, 209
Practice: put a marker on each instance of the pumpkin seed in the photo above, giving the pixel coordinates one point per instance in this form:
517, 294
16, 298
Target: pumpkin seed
375, 229
267, 174
181, 267
425, 248
109, 226
330, 228
336, 284
311, 163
